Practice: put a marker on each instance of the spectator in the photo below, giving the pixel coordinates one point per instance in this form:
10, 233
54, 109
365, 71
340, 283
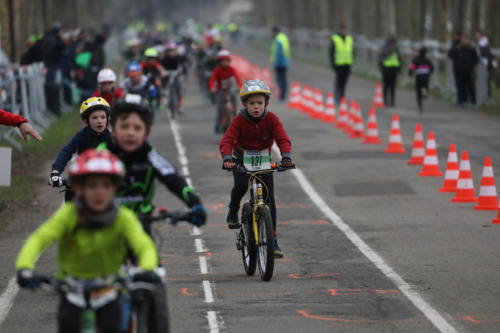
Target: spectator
465, 59
486, 57
390, 64
14, 120
341, 59
53, 49
280, 56
452, 55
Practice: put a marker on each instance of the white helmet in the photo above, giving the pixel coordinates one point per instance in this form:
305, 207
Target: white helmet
106, 75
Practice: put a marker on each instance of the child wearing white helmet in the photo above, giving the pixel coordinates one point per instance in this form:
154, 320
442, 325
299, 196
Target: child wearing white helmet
106, 80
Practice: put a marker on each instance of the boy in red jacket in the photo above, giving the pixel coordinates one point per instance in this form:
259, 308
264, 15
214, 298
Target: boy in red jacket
220, 82
253, 131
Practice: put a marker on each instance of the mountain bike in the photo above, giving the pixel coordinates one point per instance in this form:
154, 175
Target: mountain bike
229, 108
172, 98
255, 239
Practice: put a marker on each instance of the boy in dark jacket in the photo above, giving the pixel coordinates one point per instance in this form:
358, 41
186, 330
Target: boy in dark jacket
423, 68
94, 112
253, 132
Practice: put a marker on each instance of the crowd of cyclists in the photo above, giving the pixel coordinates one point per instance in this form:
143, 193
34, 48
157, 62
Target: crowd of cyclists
105, 222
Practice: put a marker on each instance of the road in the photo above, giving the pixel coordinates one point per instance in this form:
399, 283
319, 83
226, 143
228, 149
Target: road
444, 254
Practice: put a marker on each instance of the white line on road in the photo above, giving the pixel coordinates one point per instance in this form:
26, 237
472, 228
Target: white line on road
207, 289
214, 320
7, 298
199, 245
203, 264
432, 314
195, 231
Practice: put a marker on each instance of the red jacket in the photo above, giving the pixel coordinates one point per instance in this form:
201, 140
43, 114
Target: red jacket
221, 74
10, 119
245, 133
109, 97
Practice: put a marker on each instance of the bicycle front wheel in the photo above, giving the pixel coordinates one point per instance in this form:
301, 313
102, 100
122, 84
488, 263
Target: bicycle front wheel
266, 244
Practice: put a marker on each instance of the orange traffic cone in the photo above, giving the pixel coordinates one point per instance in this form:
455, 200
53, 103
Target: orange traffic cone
372, 129
418, 150
465, 185
294, 101
350, 117
341, 123
395, 145
329, 116
318, 104
451, 174
307, 99
488, 199
431, 163
358, 128
378, 100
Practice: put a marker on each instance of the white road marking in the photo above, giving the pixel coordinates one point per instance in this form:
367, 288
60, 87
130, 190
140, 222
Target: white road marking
199, 245
203, 264
195, 231
207, 289
7, 298
432, 314
215, 321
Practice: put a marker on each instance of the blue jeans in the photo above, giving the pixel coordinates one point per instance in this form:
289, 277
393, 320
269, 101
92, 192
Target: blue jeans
281, 79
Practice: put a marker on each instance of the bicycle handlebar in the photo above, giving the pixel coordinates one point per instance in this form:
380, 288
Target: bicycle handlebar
174, 217
274, 168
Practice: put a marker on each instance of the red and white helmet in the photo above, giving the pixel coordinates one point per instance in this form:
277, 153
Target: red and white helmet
96, 162
223, 55
171, 46
106, 75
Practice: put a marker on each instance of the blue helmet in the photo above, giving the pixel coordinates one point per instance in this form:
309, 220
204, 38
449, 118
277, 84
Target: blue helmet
134, 66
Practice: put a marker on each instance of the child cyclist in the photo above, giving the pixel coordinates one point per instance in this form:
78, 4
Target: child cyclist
131, 120
253, 130
137, 83
221, 81
94, 112
93, 234
107, 90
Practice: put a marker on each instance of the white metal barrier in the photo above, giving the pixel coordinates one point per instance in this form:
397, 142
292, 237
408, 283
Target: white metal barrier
22, 93
313, 46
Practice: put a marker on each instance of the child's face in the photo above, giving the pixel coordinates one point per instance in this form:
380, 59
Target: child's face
171, 53
97, 121
106, 87
97, 191
135, 77
130, 132
256, 105
225, 63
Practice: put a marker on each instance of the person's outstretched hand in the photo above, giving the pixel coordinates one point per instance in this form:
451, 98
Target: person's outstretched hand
26, 129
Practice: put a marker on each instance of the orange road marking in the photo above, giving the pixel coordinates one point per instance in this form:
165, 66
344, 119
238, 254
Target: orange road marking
334, 292
312, 275
187, 293
471, 319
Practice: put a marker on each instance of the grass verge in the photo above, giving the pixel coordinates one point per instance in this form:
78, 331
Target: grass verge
26, 164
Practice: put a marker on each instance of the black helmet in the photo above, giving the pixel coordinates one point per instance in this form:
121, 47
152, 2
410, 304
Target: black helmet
132, 103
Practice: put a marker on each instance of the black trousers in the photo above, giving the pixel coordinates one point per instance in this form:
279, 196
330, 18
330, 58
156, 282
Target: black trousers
241, 187
421, 82
389, 75
342, 74
466, 87
108, 317
281, 79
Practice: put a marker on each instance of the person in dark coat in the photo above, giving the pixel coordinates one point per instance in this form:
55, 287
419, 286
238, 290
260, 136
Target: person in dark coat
423, 68
465, 59
53, 49
389, 62
452, 55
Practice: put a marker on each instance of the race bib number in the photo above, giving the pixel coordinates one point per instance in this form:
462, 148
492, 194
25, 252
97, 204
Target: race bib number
255, 160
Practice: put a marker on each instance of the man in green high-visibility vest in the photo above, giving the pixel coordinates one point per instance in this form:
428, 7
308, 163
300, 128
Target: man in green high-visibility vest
389, 62
341, 59
280, 56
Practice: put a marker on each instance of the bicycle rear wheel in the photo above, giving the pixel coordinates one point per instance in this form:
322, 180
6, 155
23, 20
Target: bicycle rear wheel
172, 101
249, 249
266, 244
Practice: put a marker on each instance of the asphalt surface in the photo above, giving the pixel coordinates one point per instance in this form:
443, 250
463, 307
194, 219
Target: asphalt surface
446, 252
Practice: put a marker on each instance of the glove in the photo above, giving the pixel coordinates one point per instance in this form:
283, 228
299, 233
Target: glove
26, 279
55, 179
286, 162
198, 215
146, 276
